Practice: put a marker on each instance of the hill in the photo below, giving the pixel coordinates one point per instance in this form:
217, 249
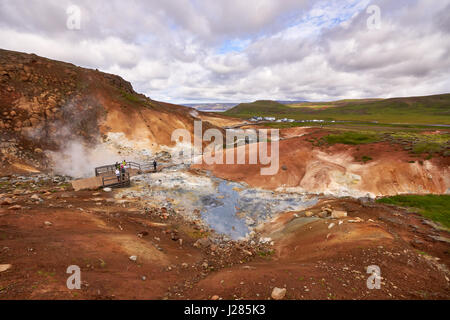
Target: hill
48, 106
433, 109
260, 107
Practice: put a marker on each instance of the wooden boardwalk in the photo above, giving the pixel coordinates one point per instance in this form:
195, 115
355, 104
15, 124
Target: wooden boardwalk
105, 176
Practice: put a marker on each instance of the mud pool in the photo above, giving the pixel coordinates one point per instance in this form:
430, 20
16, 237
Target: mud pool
230, 208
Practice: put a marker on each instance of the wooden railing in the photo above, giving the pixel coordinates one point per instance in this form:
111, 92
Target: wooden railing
108, 173
117, 181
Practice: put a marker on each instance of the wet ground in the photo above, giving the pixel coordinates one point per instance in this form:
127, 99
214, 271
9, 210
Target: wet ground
227, 207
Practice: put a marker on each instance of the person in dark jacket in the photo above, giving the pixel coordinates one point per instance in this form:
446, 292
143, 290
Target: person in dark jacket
154, 165
123, 173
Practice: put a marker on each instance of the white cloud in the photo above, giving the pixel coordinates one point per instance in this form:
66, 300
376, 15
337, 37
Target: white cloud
201, 50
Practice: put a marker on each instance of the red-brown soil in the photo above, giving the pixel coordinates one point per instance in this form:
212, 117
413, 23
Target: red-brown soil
338, 169
310, 260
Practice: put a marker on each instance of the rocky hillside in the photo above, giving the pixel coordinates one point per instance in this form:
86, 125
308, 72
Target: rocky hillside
44, 104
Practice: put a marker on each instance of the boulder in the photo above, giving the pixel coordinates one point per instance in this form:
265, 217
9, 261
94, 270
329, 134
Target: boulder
309, 214
35, 197
323, 214
336, 214
6, 201
278, 293
202, 243
4, 267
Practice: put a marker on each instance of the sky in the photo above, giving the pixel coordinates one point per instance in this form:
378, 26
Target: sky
192, 51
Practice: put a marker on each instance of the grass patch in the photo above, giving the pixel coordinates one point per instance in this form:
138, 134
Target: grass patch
434, 207
266, 253
352, 138
131, 97
426, 147
366, 158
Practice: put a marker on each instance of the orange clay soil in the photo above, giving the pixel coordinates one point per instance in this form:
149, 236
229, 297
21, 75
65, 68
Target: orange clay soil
310, 259
338, 169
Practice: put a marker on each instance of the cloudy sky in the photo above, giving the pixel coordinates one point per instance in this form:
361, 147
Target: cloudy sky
185, 51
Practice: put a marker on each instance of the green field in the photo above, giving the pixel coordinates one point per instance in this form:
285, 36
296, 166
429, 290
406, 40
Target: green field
434, 207
414, 110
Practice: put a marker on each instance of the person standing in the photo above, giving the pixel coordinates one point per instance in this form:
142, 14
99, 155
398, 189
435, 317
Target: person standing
154, 165
123, 172
117, 174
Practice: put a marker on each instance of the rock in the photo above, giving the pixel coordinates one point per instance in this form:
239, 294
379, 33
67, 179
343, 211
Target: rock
356, 220
336, 214
432, 224
309, 214
133, 258
439, 238
174, 236
142, 234
4, 267
107, 189
202, 243
323, 214
35, 197
16, 207
249, 221
38, 150
48, 223
331, 225
215, 297
278, 293
327, 209
7, 201
265, 240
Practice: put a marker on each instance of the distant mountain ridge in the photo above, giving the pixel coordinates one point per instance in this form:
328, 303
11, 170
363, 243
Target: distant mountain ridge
224, 106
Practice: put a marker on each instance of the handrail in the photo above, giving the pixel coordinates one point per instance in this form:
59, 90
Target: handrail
124, 179
131, 165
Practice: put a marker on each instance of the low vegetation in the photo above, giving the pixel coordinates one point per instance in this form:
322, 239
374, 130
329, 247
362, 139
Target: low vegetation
352, 138
434, 207
420, 143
